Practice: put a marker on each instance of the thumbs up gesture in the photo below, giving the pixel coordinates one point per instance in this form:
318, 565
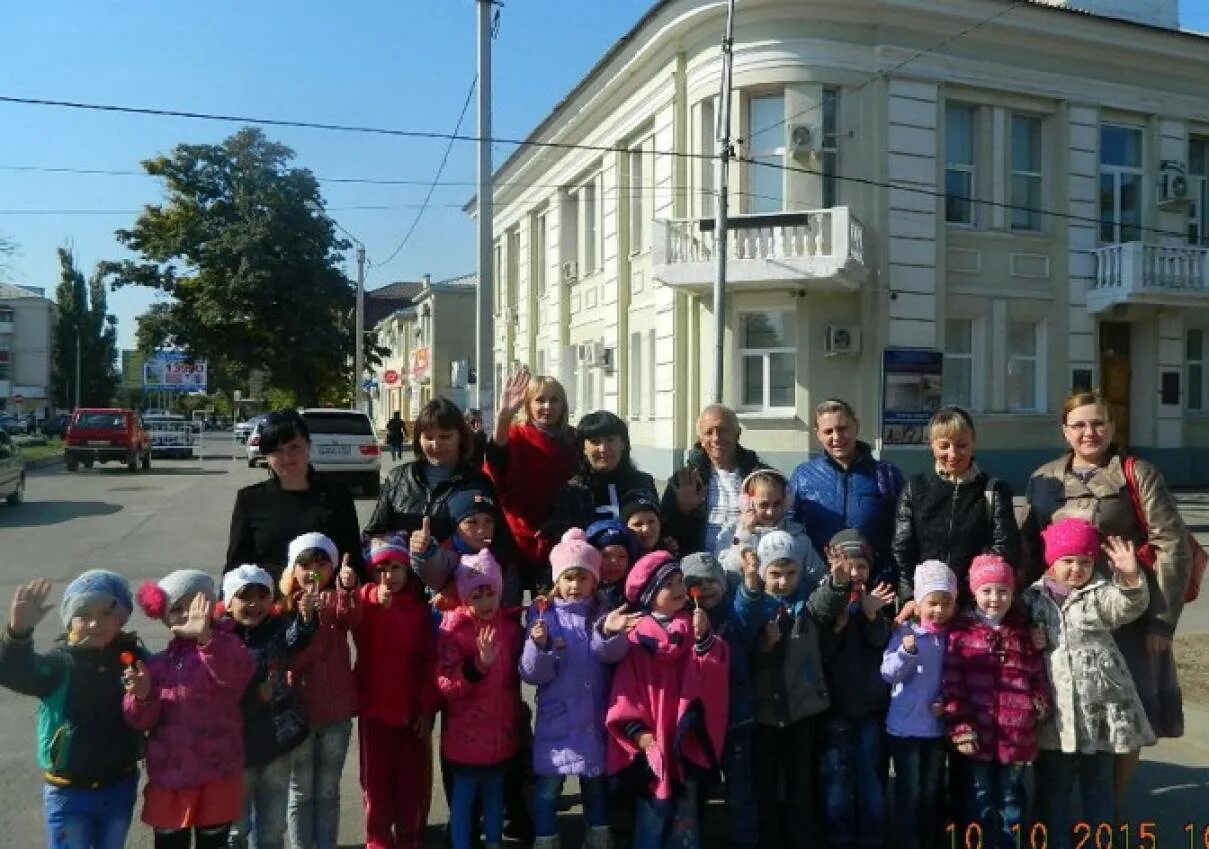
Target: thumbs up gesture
421, 540
348, 578
384, 593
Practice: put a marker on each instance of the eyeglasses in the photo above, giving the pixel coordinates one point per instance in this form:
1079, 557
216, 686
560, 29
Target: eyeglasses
1094, 424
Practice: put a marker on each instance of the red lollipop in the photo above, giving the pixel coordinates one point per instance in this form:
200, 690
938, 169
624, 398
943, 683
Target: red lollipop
127, 658
695, 594
542, 603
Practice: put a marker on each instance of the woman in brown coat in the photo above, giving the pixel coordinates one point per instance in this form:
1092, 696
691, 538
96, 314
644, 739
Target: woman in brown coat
1088, 482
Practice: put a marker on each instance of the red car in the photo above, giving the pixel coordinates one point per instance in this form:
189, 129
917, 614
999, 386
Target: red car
102, 434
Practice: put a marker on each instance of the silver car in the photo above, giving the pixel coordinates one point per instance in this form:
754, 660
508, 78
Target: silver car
12, 471
252, 445
344, 444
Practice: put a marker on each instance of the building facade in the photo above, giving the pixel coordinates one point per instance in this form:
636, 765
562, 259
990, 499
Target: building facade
26, 323
1024, 205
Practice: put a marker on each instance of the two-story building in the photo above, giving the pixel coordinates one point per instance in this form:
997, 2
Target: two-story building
27, 317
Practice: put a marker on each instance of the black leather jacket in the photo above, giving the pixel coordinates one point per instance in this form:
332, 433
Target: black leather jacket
406, 499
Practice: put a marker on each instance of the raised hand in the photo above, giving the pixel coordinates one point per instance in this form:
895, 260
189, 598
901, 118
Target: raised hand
308, 604
1122, 560
751, 570
540, 634
690, 490
421, 540
700, 624
384, 593
486, 643
198, 621
907, 613
840, 566
515, 392
29, 606
348, 578
137, 681
620, 621
872, 602
910, 643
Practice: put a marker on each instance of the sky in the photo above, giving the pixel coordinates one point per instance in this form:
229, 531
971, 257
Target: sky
406, 64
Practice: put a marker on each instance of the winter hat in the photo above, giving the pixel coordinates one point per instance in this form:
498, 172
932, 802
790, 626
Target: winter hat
93, 586
306, 542
648, 576
235, 580
608, 532
637, 501
762, 473
574, 552
388, 548
933, 576
157, 599
1070, 538
478, 570
467, 502
702, 566
774, 546
853, 544
990, 569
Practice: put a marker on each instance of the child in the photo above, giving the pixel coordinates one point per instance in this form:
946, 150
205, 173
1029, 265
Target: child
708, 587
618, 549
640, 513
564, 656
1097, 711
475, 518
667, 715
187, 700
478, 649
89, 757
765, 499
396, 665
789, 684
322, 677
912, 665
274, 727
995, 691
853, 758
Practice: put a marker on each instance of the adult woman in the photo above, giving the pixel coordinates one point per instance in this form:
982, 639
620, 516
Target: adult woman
607, 478
953, 512
529, 460
1088, 482
846, 487
293, 501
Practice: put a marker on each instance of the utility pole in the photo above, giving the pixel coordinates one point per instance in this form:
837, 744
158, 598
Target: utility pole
77, 405
359, 347
720, 203
484, 329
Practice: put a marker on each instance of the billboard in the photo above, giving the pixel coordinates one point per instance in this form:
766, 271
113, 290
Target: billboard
911, 393
173, 370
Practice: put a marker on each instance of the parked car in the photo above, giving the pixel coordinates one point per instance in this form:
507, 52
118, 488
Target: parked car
252, 446
9, 423
56, 425
343, 444
99, 435
244, 429
12, 471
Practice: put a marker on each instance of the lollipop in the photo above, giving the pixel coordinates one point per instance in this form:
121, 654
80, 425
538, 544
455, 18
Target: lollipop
542, 603
127, 658
313, 576
695, 595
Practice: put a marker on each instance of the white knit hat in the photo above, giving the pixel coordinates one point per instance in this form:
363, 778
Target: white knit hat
774, 546
305, 542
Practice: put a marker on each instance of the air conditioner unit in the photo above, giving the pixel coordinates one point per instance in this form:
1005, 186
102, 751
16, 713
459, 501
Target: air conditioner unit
842, 340
459, 373
602, 356
1173, 184
570, 272
802, 139
585, 354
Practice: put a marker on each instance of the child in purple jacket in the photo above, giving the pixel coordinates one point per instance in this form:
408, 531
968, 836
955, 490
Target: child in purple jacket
569, 642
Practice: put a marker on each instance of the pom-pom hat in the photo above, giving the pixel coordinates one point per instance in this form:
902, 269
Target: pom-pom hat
574, 552
315, 540
157, 598
991, 569
1070, 538
390, 549
478, 570
96, 585
933, 576
648, 575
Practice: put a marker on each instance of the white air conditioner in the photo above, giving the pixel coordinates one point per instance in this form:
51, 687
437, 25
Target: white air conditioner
842, 340
1173, 184
570, 272
802, 139
602, 356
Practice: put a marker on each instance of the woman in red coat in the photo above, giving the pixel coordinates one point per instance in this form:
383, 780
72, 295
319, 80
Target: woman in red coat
528, 460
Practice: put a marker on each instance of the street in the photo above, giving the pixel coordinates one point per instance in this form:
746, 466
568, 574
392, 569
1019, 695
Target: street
147, 524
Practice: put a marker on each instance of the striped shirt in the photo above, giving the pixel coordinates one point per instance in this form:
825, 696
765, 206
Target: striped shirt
722, 506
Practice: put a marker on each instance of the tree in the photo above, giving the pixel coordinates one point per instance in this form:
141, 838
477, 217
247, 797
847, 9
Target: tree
250, 263
84, 319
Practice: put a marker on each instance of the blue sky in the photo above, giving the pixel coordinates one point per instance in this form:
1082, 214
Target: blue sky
402, 64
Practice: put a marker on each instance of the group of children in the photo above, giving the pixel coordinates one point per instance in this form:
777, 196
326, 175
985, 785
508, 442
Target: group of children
655, 677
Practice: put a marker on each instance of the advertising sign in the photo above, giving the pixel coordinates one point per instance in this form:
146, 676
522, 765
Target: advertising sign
390, 377
421, 365
173, 370
911, 393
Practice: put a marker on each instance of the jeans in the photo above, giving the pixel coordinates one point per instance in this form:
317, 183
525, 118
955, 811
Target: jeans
668, 823
853, 772
545, 802
1057, 774
785, 767
919, 766
998, 801
89, 819
314, 807
471, 782
265, 801
737, 769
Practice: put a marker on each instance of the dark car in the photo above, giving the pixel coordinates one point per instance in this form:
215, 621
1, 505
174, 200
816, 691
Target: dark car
56, 425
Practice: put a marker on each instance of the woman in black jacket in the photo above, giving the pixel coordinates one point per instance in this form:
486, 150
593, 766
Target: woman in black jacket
293, 501
954, 512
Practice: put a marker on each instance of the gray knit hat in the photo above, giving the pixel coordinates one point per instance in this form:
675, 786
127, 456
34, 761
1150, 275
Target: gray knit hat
93, 586
157, 599
702, 566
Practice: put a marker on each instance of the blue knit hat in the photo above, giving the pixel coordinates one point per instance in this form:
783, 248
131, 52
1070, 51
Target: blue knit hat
93, 586
467, 502
608, 532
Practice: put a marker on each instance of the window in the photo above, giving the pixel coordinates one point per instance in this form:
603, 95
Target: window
1026, 173
589, 217
541, 361
568, 235
1120, 183
514, 279
831, 146
650, 374
767, 358
636, 396
1194, 358
960, 126
641, 195
1023, 372
496, 268
7, 314
1198, 190
707, 133
538, 257
958, 378
5, 360
766, 148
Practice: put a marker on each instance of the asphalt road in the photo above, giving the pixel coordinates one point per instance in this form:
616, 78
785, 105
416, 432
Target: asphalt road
147, 524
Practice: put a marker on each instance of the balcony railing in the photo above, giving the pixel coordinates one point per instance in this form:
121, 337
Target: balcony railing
1136, 272
824, 246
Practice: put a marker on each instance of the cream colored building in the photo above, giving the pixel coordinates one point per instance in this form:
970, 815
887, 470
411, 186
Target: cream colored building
26, 320
1071, 250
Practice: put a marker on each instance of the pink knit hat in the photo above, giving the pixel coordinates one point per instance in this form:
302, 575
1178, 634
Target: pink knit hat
991, 569
648, 575
478, 570
1070, 538
574, 552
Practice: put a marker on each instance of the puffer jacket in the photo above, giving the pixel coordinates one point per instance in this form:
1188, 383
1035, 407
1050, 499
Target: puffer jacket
994, 685
192, 718
688, 529
727, 624
852, 661
1096, 706
322, 674
827, 498
481, 725
952, 522
396, 657
915, 680
572, 679
273, 720
406, 499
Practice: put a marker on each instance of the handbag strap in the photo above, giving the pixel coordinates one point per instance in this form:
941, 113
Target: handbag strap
1131, 483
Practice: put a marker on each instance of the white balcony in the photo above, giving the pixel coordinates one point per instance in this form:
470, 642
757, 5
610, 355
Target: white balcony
821, 250
1159, 275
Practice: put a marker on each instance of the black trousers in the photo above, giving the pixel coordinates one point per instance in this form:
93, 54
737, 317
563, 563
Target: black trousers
785, 770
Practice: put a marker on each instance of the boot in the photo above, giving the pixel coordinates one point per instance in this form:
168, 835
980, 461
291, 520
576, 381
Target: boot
598, 837
550, 842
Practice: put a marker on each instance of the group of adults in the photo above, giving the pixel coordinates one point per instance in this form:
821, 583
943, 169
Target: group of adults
547, 475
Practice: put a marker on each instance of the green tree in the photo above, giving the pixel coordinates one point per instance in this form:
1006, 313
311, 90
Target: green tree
250, 263
84, 319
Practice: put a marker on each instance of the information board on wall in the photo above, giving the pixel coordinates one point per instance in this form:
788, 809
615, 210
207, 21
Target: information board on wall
911, 393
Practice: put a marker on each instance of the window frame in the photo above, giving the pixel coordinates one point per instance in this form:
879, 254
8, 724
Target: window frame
635, 389
774, 154
975, 402
1033, 176
6, 359
829, 150
743, 353
590, 248
1198, 190
512, 237
1198, 363
969, 169
1117, 172
539, 252
1038, 359
641, 199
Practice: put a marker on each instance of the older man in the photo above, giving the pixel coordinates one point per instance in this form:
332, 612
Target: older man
703, 497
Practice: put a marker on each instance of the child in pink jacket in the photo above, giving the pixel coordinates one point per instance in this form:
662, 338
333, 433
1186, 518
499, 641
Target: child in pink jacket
187, 700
